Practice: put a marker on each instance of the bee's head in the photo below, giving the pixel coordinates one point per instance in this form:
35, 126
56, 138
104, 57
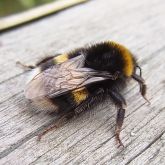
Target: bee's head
111, 57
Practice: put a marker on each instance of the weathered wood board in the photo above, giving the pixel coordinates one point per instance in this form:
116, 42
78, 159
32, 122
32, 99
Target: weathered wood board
88, 139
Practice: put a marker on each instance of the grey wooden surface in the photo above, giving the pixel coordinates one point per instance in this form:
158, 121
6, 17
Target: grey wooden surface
88, 139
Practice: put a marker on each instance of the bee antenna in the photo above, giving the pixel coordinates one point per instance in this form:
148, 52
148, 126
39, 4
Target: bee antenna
139, 69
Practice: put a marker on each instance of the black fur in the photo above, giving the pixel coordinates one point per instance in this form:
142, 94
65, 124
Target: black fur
104, 56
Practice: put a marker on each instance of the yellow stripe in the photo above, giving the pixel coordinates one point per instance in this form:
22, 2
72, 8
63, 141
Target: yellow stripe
60, 59
80, 95
127, 57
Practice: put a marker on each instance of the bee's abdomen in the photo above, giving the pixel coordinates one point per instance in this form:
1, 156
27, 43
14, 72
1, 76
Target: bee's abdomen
79, 95
45, 104
70, 100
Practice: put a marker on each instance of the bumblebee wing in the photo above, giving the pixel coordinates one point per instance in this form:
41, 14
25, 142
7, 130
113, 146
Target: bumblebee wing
62, 78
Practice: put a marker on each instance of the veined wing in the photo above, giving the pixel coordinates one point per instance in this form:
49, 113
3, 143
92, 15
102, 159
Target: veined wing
62, 78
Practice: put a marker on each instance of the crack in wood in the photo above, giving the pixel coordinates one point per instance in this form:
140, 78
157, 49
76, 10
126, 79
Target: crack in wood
148, 146
24, 140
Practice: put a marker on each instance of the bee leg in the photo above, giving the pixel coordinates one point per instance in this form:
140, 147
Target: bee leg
57, 124
143, 86
24, 67
86, 104
40, 62
117, 98
119, 123
44, 60
121, 103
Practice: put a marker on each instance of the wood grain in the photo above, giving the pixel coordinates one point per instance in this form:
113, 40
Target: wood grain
88, 139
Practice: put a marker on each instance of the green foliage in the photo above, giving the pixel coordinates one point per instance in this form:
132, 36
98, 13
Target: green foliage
8, 7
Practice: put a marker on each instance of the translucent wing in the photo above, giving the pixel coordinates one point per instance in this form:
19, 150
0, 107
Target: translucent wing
62, 78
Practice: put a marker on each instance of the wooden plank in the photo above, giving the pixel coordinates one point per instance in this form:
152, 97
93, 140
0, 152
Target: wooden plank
64, 145
153, 154
88, 139
91, 125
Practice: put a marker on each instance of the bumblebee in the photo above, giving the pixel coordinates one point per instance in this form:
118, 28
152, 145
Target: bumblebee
74, 82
